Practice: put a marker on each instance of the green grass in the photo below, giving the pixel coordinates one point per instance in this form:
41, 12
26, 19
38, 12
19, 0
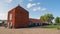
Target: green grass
52, 26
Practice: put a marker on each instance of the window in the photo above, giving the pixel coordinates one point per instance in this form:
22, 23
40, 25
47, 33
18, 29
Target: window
10, 16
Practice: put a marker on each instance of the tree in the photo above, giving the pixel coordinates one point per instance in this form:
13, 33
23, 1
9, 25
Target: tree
47, 17
57, 20
42, 18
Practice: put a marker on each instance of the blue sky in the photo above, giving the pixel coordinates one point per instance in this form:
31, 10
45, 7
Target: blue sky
36, 8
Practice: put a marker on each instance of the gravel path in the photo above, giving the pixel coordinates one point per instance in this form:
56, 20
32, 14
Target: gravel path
28, 31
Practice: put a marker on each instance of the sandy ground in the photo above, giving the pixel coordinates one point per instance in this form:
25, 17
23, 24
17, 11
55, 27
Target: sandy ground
28, 31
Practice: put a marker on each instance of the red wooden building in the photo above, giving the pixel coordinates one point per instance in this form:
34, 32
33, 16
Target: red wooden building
18, 17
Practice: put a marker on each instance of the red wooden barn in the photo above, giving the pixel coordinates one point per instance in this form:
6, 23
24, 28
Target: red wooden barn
18, 17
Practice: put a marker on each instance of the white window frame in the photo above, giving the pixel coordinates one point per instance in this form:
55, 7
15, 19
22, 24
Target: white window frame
10, 16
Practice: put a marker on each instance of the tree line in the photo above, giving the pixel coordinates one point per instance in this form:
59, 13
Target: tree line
49, 18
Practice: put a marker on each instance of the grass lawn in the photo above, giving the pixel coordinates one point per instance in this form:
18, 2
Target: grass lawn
52, 27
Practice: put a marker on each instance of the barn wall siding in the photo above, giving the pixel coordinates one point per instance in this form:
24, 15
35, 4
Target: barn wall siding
20, 17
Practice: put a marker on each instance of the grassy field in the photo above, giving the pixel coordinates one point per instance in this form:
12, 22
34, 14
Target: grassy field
51, 26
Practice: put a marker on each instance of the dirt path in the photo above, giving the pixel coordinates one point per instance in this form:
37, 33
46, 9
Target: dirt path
28, 31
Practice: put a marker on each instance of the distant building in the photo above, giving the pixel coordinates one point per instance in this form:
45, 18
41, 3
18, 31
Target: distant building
37, 22
1, 21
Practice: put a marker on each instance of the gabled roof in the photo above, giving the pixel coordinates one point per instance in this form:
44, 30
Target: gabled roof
36, 20
19, 7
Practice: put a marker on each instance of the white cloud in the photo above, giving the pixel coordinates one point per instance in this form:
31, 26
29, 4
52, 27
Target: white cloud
29, 5
35, 9
9, 1
39, 8
44, 9
3, 16
35, 6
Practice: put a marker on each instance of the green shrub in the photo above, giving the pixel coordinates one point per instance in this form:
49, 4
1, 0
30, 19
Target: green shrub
58, 28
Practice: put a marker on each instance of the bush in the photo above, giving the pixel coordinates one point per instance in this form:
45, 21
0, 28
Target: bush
58, 28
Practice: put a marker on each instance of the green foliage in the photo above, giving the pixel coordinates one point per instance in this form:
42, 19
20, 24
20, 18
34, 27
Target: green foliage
42, 18
57, 20
52, 26
47, 17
